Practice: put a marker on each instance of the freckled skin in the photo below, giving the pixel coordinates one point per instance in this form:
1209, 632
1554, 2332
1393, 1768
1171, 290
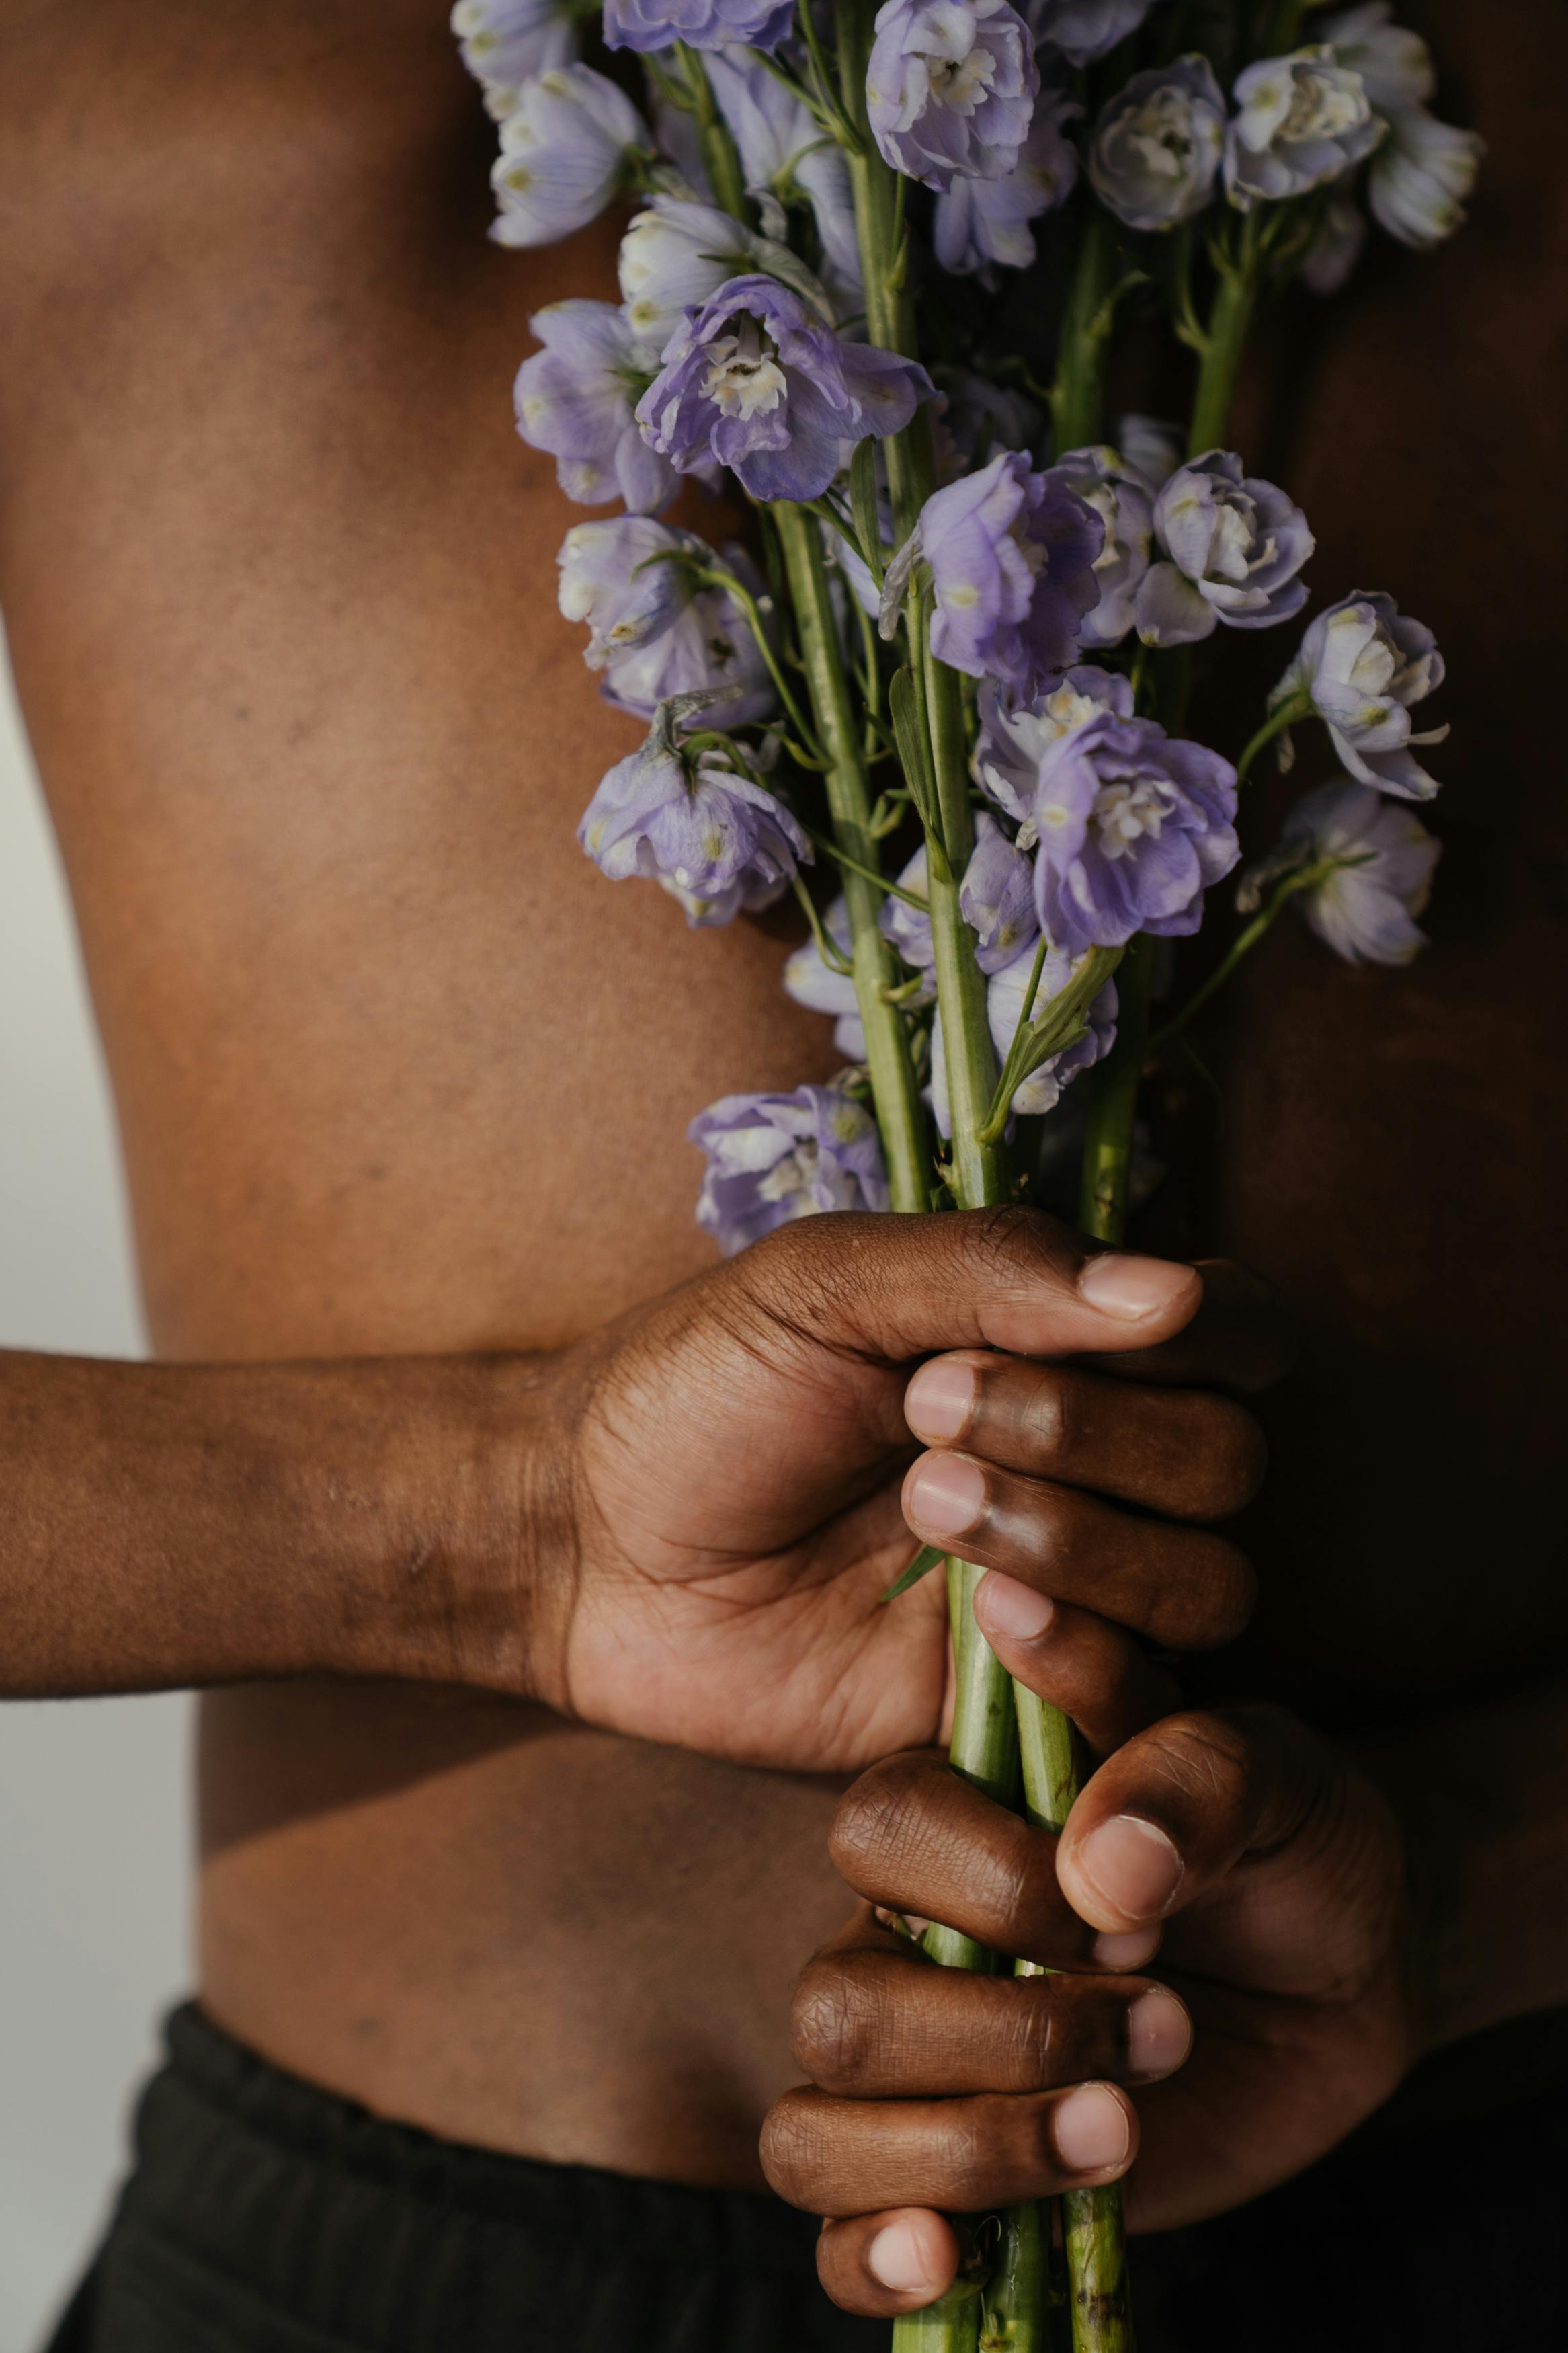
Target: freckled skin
398, 1071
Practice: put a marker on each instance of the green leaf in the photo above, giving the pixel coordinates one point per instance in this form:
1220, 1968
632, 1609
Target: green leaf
863, 506
910, 735
924, 1561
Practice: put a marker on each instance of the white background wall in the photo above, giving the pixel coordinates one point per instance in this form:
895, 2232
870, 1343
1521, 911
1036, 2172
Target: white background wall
93, 1792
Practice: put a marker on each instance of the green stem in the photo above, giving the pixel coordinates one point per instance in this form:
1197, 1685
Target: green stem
899, 1114
1078, 395
1294, 707
1236, 298
1014, 2303
1113, 1102
721, 158
1306, 878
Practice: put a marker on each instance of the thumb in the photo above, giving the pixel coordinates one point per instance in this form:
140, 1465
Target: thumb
896, 1287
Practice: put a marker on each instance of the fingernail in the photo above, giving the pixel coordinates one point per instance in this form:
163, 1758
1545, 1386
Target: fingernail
1133, 1865
945, 1495
896, 2259
1091, 2130
940, 1400
1005, 1607
1131, 1287
1159, 2034
1126, 1950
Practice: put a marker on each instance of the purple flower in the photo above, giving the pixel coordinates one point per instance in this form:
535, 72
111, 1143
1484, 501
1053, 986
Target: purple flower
505, 42
1421, 176
653, 632
674, 255
1012, 565
1119, 496
1014, 737
566, 151
784, 157
1336, 246
1157, 146
1236, 545
1394, 65
651, 24
753, 381
1084, 31
982, 224
1360, 665
1134, 826
716, 838
1366, 872
577, 399
812, 982
950, 87
996, 897
1151, 448
909, 928
774, 1158
1041, 1091
1301, 120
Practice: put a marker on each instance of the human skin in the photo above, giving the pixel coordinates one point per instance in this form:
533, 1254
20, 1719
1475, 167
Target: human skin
399, 1074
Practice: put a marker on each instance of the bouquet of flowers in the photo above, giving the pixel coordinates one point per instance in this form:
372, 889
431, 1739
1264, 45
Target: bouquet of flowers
883, 265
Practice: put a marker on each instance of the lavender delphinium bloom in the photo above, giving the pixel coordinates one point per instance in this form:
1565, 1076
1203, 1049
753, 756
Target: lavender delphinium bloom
505, 42
1421, 177
1156, 148
1336, 246
651, 24
716, 838
1394, 64
909, 928
757, 383
1360, 666
1084, 31
1366, 867
996, 897
951, 88
1012, 564
577, 399
1134, 826
772, 1159
566, 151
654, 633
1121, 500
783, 157
1041, 1091
1151, 448
675, 254
1014, 737
981, 225
812, 982
1235, 545
1301, 121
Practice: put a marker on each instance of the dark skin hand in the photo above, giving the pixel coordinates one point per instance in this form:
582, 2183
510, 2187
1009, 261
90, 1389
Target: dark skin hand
1266, 1867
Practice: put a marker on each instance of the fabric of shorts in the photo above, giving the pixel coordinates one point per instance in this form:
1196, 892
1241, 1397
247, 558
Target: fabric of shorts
264, 2215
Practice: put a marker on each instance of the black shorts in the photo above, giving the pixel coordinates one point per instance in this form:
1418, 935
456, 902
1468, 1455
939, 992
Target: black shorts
266, 2216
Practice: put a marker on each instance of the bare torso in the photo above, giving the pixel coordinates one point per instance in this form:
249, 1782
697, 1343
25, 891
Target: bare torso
399, 1072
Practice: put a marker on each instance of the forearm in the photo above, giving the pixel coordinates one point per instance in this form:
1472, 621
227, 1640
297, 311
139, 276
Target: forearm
185, 1524
1483, 1793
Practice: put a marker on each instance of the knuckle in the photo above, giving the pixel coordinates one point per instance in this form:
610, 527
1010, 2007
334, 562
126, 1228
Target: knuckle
1047, 1416
791, 2149
1208, 1757
1011, 1243
871, 1828
835, 2023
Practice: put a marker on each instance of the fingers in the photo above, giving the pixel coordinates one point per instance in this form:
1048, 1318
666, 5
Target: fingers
1183, 1587
1184, 1453
838, 2157
884, 2264
1007, 1278
913, 1835
1165, 1817
1097, 1674
873, 2019
1243, 1337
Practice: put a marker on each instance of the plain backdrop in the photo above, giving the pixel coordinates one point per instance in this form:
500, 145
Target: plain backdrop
93, 1792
